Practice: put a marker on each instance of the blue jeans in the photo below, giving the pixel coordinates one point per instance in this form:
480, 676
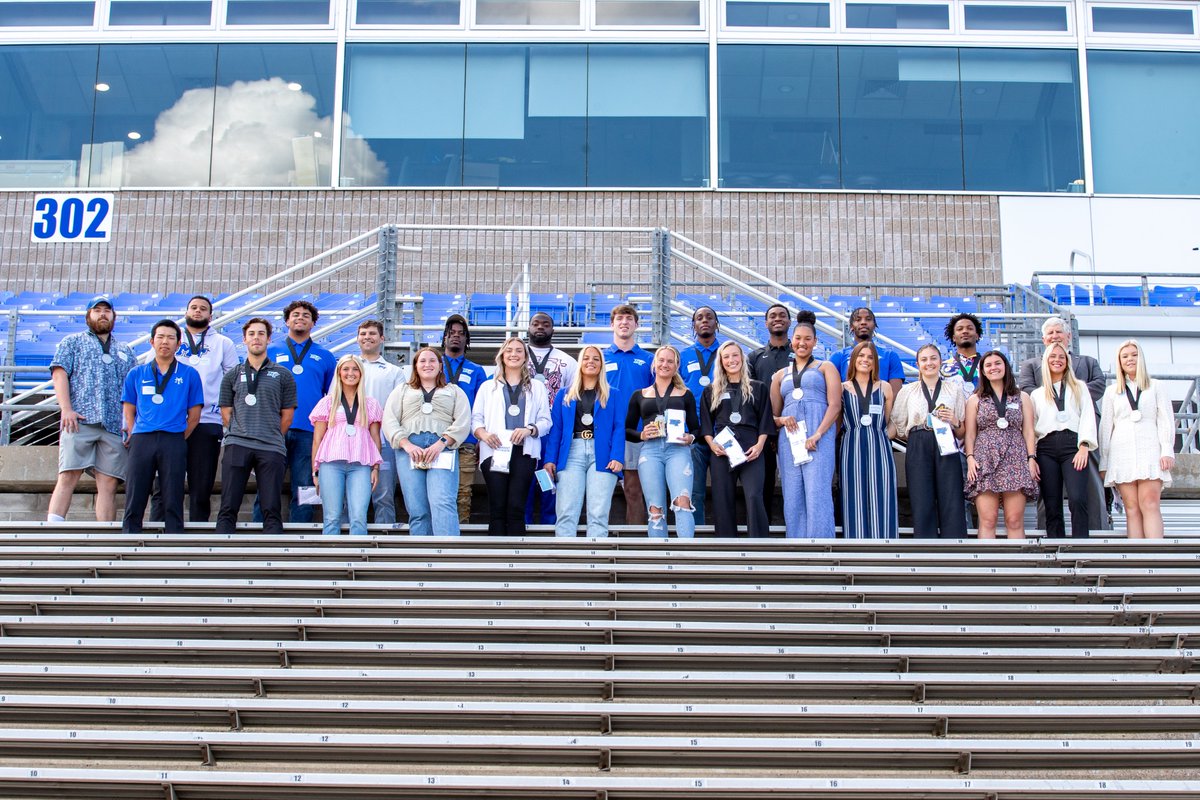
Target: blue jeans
701, 453
383, 498
666, 473
577, 477
299, 463
341, 482
430, 495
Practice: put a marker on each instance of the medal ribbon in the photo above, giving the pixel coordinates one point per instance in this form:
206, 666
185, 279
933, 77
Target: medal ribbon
931, 399
1000, 402
513, 393
735, 391
539, 367
798, 375
1133, 401
586, 406
160, 388
296, 357
453, 377
253, 375
705, 366
351, 411
1060, 397
968, 375
194, 349
864, 397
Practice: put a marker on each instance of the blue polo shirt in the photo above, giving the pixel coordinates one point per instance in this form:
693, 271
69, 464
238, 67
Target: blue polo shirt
627, 371
469, 379
889, 362
691, 366
312, 384
184, 390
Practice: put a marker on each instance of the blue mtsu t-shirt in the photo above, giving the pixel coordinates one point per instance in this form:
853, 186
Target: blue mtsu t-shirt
318, 366
184, 390
890, 365
468, 376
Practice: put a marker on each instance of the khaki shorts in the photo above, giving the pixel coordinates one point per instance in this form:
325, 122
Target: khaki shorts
92, 448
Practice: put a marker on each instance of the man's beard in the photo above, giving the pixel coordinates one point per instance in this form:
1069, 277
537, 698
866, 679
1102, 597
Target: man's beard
198, 324
99, 325
540, 339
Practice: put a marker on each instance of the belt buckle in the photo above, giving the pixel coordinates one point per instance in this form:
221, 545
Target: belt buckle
586, 435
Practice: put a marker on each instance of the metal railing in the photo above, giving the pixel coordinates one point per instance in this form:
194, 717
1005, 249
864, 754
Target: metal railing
1095, 292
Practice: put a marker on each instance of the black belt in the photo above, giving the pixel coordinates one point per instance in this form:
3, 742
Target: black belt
585, 435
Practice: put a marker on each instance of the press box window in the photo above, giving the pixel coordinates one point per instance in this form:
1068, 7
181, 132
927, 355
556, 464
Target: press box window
47, 14
160, 12
1177, 21
755, 14
1015, 18
898, 16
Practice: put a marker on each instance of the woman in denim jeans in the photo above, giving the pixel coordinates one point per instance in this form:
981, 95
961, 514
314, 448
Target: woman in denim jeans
588, 441
665, 467
425, 420
345, 449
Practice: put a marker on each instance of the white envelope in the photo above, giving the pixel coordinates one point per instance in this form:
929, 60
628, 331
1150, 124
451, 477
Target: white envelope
501, 457
944, 435
444, 460
733, 449
797, 439
676, 425
308, 496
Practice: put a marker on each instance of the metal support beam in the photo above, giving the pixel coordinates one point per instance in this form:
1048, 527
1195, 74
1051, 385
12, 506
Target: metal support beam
660, 287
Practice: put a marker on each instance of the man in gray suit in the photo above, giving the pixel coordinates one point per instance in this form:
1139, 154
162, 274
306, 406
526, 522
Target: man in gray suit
1057, 330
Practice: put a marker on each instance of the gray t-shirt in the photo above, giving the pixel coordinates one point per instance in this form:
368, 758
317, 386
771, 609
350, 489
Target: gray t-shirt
257, 426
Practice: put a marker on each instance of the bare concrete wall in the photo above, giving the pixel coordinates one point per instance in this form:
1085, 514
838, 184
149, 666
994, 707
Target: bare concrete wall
184, 240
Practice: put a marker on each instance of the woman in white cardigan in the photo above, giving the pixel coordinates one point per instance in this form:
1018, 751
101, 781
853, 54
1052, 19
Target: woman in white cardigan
1137, 441
510, 417
1064, 424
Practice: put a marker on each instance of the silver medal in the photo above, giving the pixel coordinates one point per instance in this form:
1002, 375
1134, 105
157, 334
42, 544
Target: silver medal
193, 359
705, 380
1002, 423
864, 420
106, 358
351, 430
514, 410
970, 386
540, 378
1062, 416
735, 417
298, 370
251, 400
586, 419
157, 399
797, 393
426, 408
1136, 416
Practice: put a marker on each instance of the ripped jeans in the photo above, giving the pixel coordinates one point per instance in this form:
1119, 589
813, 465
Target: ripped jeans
666, 473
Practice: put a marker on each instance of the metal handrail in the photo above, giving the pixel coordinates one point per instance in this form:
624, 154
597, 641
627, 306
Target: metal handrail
1143, 276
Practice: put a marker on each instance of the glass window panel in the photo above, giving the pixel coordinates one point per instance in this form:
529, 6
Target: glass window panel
47, 97
1145, 111
154, 123
897, 16
776, 15
273, 118
407, 12
1142, 20
1021, 119
901, 118
277, 12
1015, 18
778, 108
525, 115
527, 12
46, 14
405, 115
160, 12
647, 12
647, 115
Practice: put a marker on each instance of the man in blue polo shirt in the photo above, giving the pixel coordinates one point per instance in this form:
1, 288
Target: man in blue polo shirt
162, 400
628, 369
862, 326
696, 366
468, 376
312, 368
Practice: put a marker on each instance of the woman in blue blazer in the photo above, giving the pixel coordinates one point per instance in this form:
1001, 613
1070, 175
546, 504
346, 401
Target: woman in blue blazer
585, 447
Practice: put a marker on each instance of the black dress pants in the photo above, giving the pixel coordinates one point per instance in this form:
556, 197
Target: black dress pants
724, 484
153, 454
203, 451
935, 488
770, 458
507, 492
1054, 454
268, 467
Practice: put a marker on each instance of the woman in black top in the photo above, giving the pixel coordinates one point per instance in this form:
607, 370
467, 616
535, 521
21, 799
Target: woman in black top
735, 402
663, 417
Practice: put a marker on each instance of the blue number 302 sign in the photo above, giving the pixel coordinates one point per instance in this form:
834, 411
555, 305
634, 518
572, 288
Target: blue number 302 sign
72, 218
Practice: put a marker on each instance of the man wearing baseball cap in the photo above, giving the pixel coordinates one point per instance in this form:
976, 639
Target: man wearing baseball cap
88, 373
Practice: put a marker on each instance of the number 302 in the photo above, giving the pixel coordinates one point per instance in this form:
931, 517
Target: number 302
72, 218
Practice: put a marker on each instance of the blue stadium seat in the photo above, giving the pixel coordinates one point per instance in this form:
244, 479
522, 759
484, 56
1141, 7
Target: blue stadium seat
558, 306
34, 299
488, 309
1062, 294
1122, 295
1173, 296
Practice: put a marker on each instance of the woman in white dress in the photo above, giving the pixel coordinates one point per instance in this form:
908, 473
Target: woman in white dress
1137, 442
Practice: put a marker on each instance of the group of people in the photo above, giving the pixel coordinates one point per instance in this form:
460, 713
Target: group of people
553, 435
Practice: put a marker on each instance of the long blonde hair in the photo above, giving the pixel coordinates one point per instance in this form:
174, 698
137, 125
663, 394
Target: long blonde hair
676, 380
1077, 387
720, 380
576, 387
1141, 377
335, 390
526, 374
